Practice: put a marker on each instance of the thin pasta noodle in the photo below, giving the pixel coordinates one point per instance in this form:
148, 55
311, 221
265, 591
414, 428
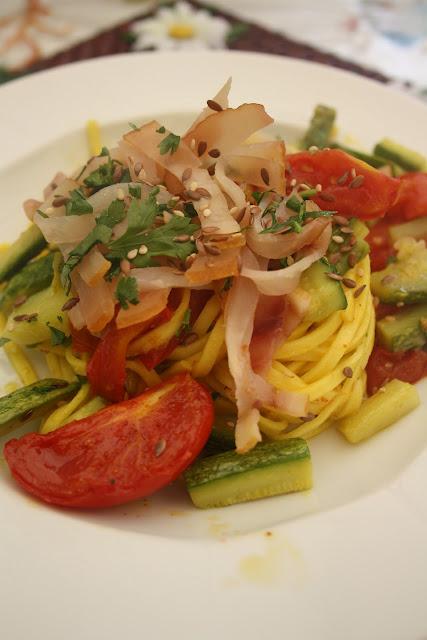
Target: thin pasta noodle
93, 133
61, 416
211, 350
78, 364
150, 377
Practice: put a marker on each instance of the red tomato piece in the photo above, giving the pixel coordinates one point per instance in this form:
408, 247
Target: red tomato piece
124, 452
412, 199
106, 369
83, 341
155, 356
371, 198
384, 365
381, 245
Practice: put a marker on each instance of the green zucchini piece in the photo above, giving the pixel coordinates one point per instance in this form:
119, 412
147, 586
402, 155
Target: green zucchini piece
373, 160
32, 278
27, 246
406, 330
270, 469
33, 401
413, 229
320, 127
402, 156
327, 295
360, 249
406, 279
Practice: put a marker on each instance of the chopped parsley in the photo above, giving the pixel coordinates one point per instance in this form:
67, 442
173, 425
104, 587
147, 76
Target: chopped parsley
101, 234
77, 204
103, 176
127, 292
257, 195
135, 191
169, 144
58, 337
161, 130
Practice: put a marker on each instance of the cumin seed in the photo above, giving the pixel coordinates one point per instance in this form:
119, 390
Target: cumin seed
349, 282
212, 104
186, 175
343, 179
201, 148
265, 176
70, 304
359, 291
334, 276
357, 182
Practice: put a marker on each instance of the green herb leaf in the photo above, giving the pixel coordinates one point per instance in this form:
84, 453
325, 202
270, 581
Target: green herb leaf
293, 203
228, 283
185, 325
115, 213
58, 337
77, 204
257, 195
101, 234
133, 126
126, 177
127, 292
161, 130
189, 210
135, 191
4, 341
236, 31
169, 144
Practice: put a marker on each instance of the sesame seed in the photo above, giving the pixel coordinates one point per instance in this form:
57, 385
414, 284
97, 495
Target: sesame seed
193, 186
357, 182
160, 447
318, 188
206, 213
359, 291
338, 239
265, 176
143, 249
230, 423
334, 276
290, 260
348, 372
293, 182
375, 301
179, 213
214, 153
349, 282
186, 174
353, 172
167, 217
190, 259
390, 318
184, 237
346, 230
212, 104
340, 220
402, 304
132, 254
214, 251
174, 199
201, 148
137, 168
343, 179
313, 149
382, 390
125, 266
120, 194
193, 143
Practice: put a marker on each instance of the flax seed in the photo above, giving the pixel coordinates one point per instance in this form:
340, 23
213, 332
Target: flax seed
348, 372
343, 179
349, 282
341, 220
214, 153
265, 176
212, 104
359, 291
357, 182
352, 259
201, 148
326, 197
70, 304
203, 192
186, 175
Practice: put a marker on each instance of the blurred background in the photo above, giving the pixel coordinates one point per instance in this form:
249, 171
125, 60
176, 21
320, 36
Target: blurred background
384, 39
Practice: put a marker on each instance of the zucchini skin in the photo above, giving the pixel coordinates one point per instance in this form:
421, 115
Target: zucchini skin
320, 127
407, 331
271, 468
32, 278
33, 401
27, 246
327, 295
406, 158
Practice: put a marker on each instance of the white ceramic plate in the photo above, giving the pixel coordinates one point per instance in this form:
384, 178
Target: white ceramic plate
346, 560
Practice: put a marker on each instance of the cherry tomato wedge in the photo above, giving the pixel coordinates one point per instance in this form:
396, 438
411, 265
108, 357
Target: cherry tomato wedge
383, 366
367, 195
106, 369
124, 452
381, 245
412, 200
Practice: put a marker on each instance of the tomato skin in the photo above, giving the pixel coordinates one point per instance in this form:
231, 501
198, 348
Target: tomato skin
106, 369
371, 199
83, 341
384, 365
155, 356
114, 457
412, 199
